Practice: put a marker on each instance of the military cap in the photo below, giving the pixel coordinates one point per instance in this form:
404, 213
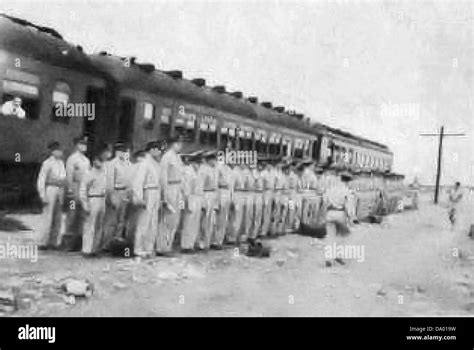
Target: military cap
174, 139
307, 161
197, 154
263, 159
80, 140
152, 145
300, 167
120, 146
185, 156
345, 175
53, 145
99, 152
139, 153
209, 154
318, 169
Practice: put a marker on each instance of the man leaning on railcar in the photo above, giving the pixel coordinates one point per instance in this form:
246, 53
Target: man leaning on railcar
50, 184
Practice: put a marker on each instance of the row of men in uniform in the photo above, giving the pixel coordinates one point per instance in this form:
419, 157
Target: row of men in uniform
161, 191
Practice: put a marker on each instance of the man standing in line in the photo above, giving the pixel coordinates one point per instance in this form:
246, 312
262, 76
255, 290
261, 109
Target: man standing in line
278, 204
299, 195
317, 214
282, 184
207, 172
118, 193
224, 181
146, 185
92, 195
194, 192
308, 181
51, 182
172, 195
77, 165
268, 196
247, 179
238, 207
257, 194
291, 188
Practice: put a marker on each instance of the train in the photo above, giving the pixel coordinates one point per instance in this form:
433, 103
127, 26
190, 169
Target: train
134, 102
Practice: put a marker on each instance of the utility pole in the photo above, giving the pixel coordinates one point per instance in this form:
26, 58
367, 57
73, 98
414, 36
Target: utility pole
441, 135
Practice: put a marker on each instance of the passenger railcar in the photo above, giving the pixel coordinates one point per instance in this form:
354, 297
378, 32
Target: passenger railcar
135, 103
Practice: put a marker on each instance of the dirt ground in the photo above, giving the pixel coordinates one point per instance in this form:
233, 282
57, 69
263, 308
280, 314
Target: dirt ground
414, 265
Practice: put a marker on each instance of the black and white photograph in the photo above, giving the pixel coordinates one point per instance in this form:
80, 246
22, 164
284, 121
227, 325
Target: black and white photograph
309, 158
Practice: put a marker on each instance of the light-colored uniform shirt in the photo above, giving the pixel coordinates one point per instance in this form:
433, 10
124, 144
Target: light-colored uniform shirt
209, 177
146, 176
189, 180
247, 179
118, 174
53, 172
257, 181
224, 176
309, 180
172, 168
77, 165
280, 180
238, 180
292, 181
268, 178
93, 184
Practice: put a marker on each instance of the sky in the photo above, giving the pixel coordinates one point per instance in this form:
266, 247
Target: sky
385, 70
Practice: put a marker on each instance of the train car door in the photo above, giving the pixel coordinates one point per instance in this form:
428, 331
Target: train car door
96, 97
126, 120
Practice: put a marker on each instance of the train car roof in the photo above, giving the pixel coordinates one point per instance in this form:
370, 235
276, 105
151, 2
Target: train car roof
43, 44
47, 45
139, 76
358, 138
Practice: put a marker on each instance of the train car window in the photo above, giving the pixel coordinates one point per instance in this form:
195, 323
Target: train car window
246, 140
165, 117
274, 149
307, 148
190, 133
284, 148
298, 149
261, 146
126, 118
60, 99
20, 100
204, 133
315, 151
232, 139
224, 138
213, 134
148, 114
188, 128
